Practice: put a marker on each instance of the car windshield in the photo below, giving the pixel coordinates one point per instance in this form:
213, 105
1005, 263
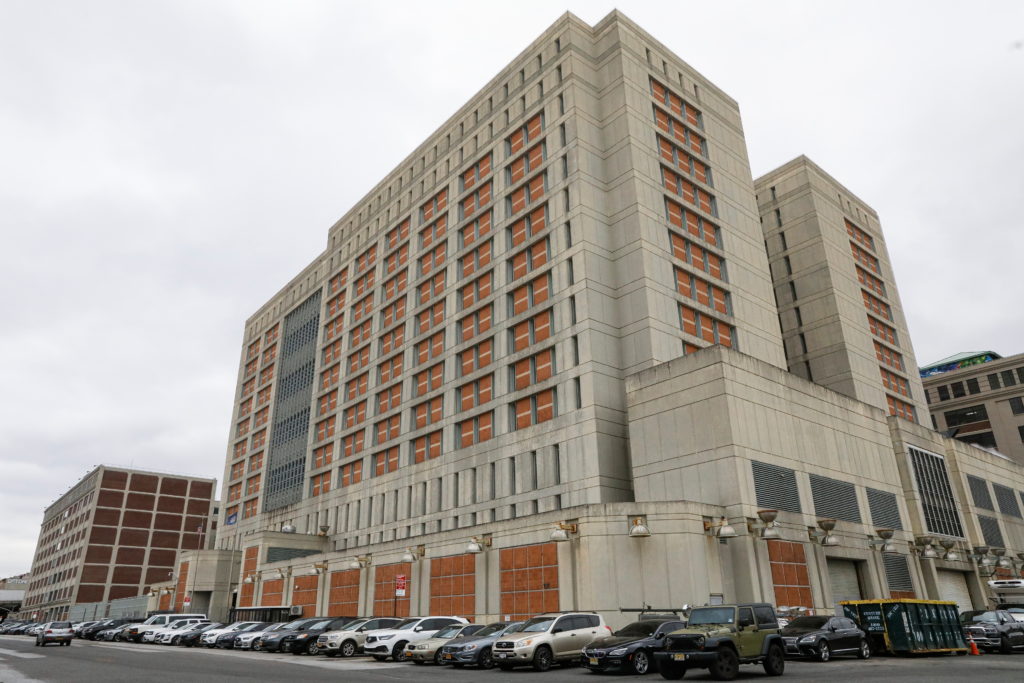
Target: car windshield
490, 630
406, 625
982, 617
808, 623
154, 620
712, 615
353, 625
537, 624
640, 629
319, 625
295, 624
449, 631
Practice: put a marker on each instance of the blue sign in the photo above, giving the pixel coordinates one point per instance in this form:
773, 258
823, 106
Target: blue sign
232, 518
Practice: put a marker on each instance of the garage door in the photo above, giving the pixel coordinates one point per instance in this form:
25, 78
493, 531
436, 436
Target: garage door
953, 586
845, 586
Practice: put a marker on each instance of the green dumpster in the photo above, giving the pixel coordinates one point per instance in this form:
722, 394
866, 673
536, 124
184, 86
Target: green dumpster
909, 626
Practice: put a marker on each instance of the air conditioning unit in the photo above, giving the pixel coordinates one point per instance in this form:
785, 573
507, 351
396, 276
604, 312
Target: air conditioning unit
295, 611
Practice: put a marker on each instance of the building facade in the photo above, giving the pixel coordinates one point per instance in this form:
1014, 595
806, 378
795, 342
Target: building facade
553, 327
116, 532
978, 397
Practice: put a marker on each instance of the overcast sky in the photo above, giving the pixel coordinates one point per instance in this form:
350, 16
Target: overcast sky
166, 167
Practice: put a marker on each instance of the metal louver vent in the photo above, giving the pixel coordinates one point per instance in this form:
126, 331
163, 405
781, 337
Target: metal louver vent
775, 487
990, 531
835, 499
1007, 500
897, 572
937, 503
979, 492
885, 511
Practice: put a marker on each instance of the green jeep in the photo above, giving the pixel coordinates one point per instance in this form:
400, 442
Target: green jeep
722, 637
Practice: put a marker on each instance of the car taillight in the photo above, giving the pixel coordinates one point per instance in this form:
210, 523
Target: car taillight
49, 631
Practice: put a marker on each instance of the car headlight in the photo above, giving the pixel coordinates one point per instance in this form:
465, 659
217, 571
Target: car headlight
385, 637
618, 652
808, 639
700, 643
524, 643
468, 648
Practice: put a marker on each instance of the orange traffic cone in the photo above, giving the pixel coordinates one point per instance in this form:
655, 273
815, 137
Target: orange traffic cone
973, 645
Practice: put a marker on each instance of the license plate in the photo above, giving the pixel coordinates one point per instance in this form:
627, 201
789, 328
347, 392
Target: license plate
448, 656
593, 661
500, 655
679, 657
408, 655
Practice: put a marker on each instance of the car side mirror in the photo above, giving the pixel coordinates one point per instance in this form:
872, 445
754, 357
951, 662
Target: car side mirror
659, 635
418, 629
832, 628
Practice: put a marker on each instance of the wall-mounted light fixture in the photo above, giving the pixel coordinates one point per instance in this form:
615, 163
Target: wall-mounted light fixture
324, 528
927, 547
722, 529
562, 530
884, 541
638, 528
1002, 561
359, 562
768, 529
413, 554
477, 544
824, 532
317, 568
949, 554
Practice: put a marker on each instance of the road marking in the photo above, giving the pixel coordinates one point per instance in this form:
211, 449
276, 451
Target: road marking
338, 664
21, 655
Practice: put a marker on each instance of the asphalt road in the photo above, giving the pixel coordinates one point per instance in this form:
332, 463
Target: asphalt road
89, 662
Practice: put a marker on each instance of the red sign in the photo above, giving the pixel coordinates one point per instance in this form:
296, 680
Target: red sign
401, 583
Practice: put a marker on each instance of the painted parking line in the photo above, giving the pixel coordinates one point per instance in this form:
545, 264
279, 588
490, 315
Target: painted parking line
20, 655
340, 665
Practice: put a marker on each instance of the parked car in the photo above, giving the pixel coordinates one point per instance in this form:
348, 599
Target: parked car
171, 636
304, 641
993, 630
476, 649
429, 650
76, 628
111, 634
134, 631
248, 640
59, 632
209, 637
191, 639
9, 625
151, 634
226, 640
349, 640
91, 632
722, 637
391, 642
556, 637
271, 641
632, 647
33, 630
822, 637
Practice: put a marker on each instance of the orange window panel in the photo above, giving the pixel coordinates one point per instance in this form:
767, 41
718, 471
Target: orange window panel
385, 430
476, 229
353, 443
250, 367
859, 235
396, 285
476, 357
476, 429
245, 407
364, 283
432, 287
259, 438
255, 462
527, 226
537, 368
534, 409
876, 305
237, 470
689, 222
434, 205
533, 293
477, 290
427, 447
239, 449
325, 428
352, 473
881, 330
702, 292
893, 359
250, 508
263, 396
355, 414
366, 259
477, 172
531, 331
529, 162
327, 403
433, 232
253, 350
430, 317
336, 305
392, 339
235, 492
333, 328
475, 201
271, 334
429, 379
706, 327
242, 427
475, 323
901, 408
476, 393
864, 258
323, 455
390, 369
337, 281
428, 412
395, 236
385, 461
870, 281
393, 312
332, 352
248, 386
358, 360
320, 483
676, 103
433, 259
529, 259
360, 333
330, 376
395, 260
475, 260
894, 382
362, 308
389, 398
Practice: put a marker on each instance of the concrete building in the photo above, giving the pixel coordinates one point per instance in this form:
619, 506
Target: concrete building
543, 354
113, 534
978, 397
842, 321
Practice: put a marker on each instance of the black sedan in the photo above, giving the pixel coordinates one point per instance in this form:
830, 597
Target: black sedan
822, 637
191, 638
226, 641
631, 647
90, 632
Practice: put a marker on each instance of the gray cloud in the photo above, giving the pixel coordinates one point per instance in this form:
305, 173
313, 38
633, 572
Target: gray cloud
168, 166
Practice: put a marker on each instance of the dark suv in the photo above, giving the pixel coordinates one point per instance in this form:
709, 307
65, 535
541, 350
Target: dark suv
993, 630
632, 647
722, 637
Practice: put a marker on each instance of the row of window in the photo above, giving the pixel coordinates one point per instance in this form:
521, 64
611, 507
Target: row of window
996, 380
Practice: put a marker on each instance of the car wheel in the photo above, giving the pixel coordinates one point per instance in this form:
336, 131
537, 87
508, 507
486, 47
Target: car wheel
437, 657
485, 661
865, 650
824, 652
671, 671
381, 658
1004, 646
398, 654
313, 649
542, 659
775, 660
348, 648
641, 662
726, 665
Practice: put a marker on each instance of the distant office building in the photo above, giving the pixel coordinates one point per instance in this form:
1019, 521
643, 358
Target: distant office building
113, 534
978, 397
842, 321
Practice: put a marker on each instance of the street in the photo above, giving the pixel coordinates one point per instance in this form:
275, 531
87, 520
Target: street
21, 662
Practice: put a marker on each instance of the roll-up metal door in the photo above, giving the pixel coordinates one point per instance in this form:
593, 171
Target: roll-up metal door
845, 585
953, 586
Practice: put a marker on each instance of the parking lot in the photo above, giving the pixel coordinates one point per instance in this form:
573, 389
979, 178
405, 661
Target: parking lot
88, 661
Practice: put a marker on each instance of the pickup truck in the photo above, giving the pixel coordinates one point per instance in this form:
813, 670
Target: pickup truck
993, 630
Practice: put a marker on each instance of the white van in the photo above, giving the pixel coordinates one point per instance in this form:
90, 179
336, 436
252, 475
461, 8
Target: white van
134, 631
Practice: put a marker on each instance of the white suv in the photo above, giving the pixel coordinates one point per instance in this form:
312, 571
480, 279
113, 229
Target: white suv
391, 642
549, 638
152, 633
349, 641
